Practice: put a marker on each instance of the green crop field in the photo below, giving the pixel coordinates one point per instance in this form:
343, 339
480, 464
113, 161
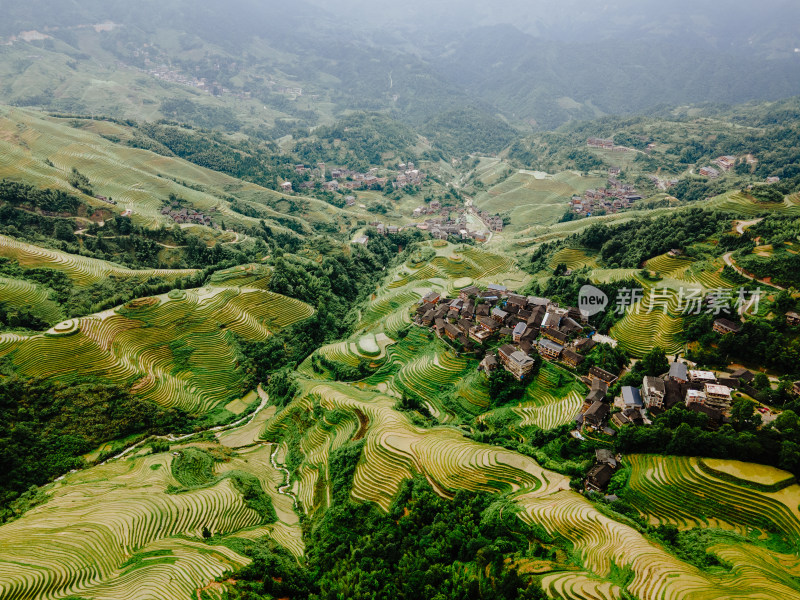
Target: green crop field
656, 320
573, 258
395, 448
43, 150
117, 531
133, 527
552, 400
17, 294
740, 204
81, 269
532, 199
604, 547
176, 351
279, 404
708, 495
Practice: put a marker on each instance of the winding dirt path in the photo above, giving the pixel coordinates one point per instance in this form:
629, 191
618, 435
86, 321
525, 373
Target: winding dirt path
728, 258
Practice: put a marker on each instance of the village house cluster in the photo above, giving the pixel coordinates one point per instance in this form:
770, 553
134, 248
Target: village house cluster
493, 222
152, 61
663, 184
528, 324
724, 164
615, 197
700, 391
441, 226
344, 178
181, 214
408, 175
167, 72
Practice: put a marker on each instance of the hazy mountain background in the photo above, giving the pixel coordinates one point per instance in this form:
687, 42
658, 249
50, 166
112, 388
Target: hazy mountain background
532, 64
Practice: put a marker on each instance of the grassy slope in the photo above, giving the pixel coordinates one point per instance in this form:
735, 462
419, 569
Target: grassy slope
47, 74
139, 180
177, 349
531, 200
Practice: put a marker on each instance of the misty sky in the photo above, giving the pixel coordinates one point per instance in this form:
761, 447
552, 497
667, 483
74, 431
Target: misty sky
572, 19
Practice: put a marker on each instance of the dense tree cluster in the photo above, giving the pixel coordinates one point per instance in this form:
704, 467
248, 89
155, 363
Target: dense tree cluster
469, 130
683, 432
504, 388
335, 284
782, 264
425, 547
48, 425
246, 159
760, 343
630, 244
210, 117
49, 200
358, 141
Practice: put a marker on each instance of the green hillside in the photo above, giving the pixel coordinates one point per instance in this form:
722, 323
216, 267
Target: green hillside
291, 301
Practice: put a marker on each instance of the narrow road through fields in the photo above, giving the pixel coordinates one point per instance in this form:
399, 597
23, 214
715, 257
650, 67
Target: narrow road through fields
178, 438
284, 489
742, 225
728, 258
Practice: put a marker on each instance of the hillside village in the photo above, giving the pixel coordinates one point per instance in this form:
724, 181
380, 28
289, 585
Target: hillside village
613, 198
516, 333
441, 224
344, 178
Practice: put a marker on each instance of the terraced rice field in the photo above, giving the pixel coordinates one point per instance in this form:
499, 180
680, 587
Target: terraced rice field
113, 531
640, 332
82, 270
15, 293
533, 199
749, 473
423, 367
669, 266
647, 325
545, 405
138, 180
251, 276
611, 275
176, 352
488, 263
604, 547
579, 586
742, 205
385, 305
395, 449
430, 374
573, 258
678, 491
453, 266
